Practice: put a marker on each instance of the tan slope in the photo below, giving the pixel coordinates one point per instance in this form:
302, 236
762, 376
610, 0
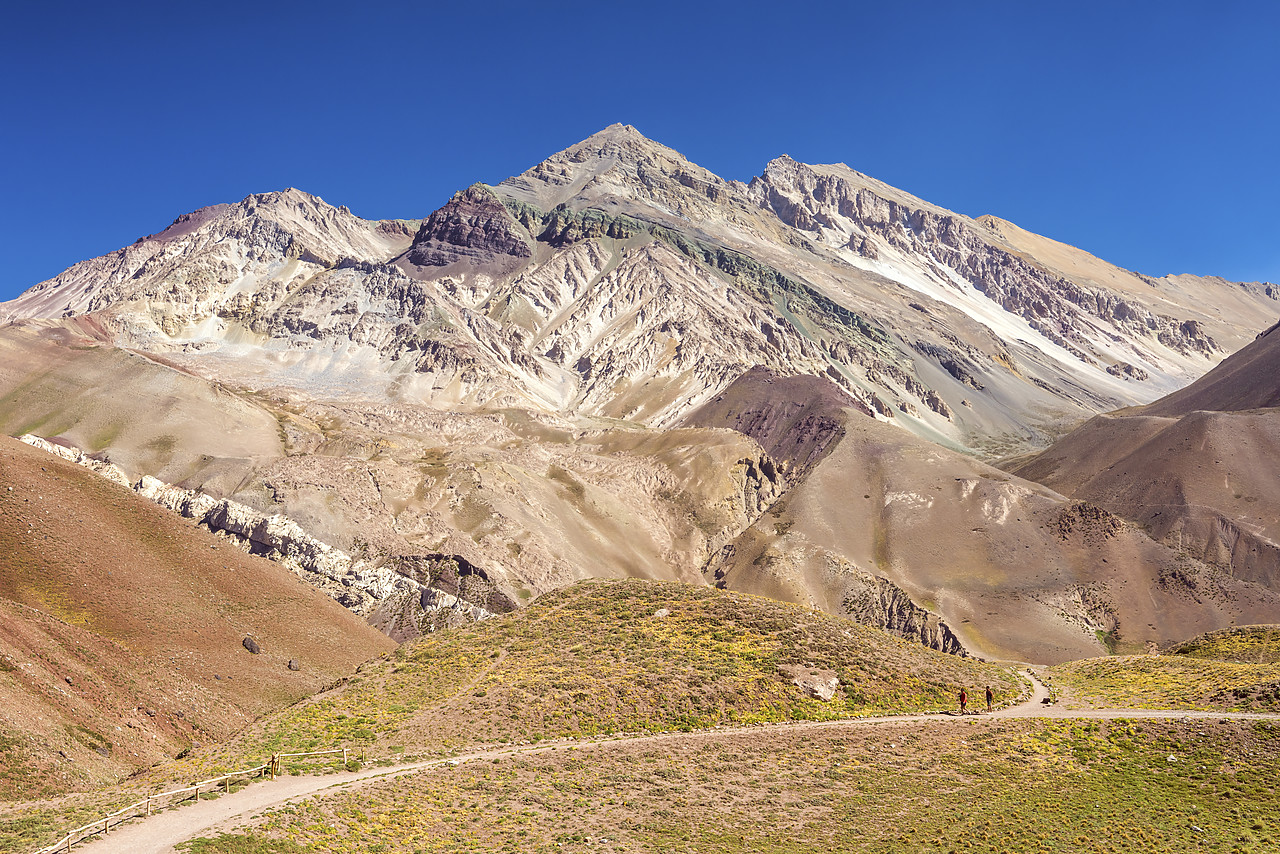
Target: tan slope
531, 501
59, 378
1196, 469
1250, 379
121, 639
1092, 447
1206, 485
1014, 569
1228, 311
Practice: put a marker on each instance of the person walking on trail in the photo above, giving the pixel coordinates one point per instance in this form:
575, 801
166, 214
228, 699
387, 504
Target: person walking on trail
964, 700
990, 697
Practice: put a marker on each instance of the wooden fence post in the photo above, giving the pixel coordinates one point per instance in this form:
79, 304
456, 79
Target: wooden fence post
148, 806
344, 757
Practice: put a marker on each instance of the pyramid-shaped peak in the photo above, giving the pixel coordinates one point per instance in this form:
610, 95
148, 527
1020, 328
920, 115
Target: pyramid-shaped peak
619, 141
287, 196
618, 161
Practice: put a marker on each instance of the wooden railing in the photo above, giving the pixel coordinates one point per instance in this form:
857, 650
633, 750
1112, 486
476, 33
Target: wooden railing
144, 807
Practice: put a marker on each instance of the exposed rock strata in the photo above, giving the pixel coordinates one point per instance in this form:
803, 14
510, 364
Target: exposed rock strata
1064, 311
370, 591
878, 602
618, 279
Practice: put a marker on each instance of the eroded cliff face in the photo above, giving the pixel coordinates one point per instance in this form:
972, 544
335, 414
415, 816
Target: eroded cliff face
878, 602
1074, 316
395, 603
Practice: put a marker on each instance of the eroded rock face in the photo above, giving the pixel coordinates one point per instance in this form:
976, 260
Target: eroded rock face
405, 615
108, 470
375, 592
618, 279
1066, 312
880, 603
473, 226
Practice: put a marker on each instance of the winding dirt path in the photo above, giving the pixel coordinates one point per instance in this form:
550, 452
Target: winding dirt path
161, 833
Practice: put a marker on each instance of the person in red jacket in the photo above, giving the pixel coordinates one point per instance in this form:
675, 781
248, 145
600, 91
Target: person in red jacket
990, 697
964, 700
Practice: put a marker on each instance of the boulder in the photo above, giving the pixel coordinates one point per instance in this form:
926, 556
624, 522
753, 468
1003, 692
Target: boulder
819, 684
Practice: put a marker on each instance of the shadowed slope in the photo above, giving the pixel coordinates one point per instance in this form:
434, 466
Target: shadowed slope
1249, 379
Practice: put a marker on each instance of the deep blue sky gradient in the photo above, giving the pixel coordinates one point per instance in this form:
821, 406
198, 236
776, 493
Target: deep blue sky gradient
1146, 133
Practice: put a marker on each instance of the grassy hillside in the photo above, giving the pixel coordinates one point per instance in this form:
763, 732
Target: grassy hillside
1232, 669
620, 656
982, 786
1246, 645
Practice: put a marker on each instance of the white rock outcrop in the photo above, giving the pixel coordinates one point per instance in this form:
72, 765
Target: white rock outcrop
110, 471
355, 584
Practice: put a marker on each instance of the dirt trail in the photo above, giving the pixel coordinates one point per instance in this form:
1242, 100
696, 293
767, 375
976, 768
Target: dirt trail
161, 833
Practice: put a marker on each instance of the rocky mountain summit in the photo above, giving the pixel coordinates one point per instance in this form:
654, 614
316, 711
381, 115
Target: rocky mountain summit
619, 364
618, 279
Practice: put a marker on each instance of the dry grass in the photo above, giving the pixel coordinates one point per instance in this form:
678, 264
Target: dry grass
1233, 669
991, 786
596, 659
1245, 644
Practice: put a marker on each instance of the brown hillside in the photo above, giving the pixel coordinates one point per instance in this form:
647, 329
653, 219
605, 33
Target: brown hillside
1249, 379
1197, 469
1012, 568
796, 419
121, 637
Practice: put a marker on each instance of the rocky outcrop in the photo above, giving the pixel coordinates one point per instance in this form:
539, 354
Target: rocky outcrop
758, 560
360, 587
454, 575
105, 468
1128, 371
816, 683
878, 602
473, 225
405, 615
373, 592
1064, 311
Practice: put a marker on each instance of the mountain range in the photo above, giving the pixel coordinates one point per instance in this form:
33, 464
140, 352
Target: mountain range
620, 364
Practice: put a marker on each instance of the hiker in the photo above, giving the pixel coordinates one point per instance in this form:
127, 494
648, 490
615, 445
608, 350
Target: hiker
964, 700
990, 697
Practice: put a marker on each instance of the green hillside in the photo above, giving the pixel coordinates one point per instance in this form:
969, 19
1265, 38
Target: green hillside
607, 657
1235, 669
1242, 644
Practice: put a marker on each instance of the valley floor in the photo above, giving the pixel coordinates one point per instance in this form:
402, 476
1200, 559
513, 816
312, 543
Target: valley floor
699, 791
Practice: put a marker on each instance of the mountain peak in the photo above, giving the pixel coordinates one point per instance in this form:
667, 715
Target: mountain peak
289, 197
618, 161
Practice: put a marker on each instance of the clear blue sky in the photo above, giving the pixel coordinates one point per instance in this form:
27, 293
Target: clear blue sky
1146, 133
